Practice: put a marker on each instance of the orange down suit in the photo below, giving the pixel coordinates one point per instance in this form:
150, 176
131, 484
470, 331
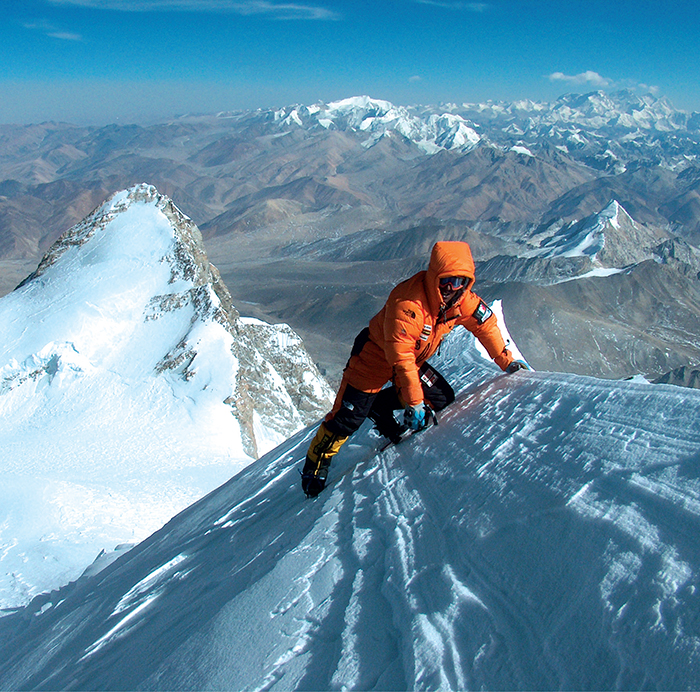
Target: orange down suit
413, 322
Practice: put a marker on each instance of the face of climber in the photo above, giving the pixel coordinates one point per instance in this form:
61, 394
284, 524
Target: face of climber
449, 285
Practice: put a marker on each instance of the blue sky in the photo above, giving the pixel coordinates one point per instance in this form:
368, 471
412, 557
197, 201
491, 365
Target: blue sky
101, 61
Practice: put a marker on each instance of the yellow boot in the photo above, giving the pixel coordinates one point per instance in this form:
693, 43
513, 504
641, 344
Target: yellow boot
322, 449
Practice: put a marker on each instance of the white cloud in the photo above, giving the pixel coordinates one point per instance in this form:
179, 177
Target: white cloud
65, 36
52, 31
273, 10
588, 77
456, 5
415, 78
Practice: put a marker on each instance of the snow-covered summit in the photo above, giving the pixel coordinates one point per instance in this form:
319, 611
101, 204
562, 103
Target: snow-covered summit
378, 119
587, 238
129, 387
605, 130
542, 536
594, 110
610, 238
618, 109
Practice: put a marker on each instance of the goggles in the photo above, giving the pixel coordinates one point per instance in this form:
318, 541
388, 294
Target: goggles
453, 282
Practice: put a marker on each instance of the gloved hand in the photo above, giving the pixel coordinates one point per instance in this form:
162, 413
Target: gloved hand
517, 365
312, 485
415, 416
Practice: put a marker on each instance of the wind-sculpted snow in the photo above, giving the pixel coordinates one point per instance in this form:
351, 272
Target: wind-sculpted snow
129, 388
542, 536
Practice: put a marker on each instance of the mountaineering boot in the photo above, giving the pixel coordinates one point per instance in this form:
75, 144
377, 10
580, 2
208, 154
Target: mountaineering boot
389, 427
322, 449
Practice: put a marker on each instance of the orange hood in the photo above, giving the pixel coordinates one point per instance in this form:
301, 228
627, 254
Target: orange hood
448, 258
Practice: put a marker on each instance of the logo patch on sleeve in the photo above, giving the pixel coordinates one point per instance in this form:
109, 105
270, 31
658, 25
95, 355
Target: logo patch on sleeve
429, 377
482, 312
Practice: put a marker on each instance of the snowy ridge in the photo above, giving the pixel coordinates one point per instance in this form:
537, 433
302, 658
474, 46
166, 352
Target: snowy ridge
594, 110
603, 130
129, 387
586, 239
611, 239
541, 537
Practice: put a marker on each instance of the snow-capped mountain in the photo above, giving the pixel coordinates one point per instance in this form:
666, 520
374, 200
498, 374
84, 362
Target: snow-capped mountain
129, 387
542, 536
610, 238
432, 132
608, 131
594, 110
598, 245
604, 129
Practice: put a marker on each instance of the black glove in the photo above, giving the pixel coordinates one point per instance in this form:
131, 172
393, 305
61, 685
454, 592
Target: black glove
517, 365
312, 485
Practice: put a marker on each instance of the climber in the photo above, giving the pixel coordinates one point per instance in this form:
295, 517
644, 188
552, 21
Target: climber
417, 316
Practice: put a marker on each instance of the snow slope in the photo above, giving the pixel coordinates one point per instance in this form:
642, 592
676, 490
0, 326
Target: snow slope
129, 388
542, 536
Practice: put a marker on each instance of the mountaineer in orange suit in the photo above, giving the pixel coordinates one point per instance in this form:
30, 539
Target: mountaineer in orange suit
417, 316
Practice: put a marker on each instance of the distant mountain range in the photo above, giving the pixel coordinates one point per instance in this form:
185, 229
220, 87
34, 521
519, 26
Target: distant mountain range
604, 188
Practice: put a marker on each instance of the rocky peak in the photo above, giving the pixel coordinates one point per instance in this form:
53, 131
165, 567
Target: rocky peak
609, 238
140, 263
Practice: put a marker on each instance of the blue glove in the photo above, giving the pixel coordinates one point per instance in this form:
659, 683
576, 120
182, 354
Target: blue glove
517, 365
415, 416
